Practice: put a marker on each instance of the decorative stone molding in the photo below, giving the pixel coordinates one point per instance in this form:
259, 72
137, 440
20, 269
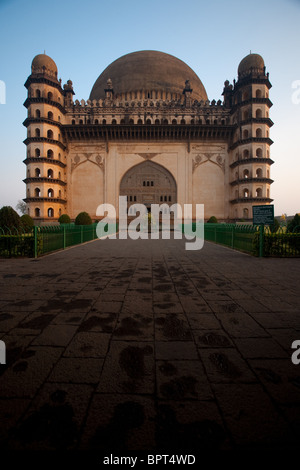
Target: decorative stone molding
147, 156
97, 159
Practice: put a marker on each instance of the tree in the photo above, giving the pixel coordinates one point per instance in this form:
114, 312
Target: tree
64, 219
9, 218
27, 222
21, 207
83, 218
212, 220
295, 222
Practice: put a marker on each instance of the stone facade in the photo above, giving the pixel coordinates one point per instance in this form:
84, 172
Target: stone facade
146, 140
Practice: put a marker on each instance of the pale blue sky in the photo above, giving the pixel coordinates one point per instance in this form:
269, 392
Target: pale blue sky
84, 37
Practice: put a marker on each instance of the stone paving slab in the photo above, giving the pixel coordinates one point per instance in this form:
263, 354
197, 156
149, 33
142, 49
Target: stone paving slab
140, 345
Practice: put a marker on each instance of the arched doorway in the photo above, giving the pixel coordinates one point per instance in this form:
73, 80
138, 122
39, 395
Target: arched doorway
148, 183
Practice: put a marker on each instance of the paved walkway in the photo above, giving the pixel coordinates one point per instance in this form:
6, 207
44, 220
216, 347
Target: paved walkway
141, 345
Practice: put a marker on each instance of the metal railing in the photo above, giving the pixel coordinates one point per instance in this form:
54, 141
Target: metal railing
45, 239
256, 240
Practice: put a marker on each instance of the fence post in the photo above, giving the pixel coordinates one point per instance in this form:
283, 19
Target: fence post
81, 233
64, 227
261, 240
35, 241
232, 237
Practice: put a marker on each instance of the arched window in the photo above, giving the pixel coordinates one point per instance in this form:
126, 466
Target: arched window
170, 198
258, 132
59, 212
37, 212
37, 173
148, 121
38, 93
140, 121
156, 121
258, 192
245, 134
50, 134
59, 175
148, 183
96, 121
50, 96
258, 173
207, 121
182, 121
165, 121
37, 152
50, 153
50, 193
268, 193
103, 121
246, 115
37, 133
114, 121
246, 154
122, 121
236, 194
50, 173
161, 199
50, 115
174, 121
144, 183
258, 94
80, 121
37, 192
152, 184
73, 121
245, 213
88, 121
236, 175
246, 192
192, 121
38, 113
268, 174
59, 156
50, 212
258, 114
246, 174
258, 153
165, 198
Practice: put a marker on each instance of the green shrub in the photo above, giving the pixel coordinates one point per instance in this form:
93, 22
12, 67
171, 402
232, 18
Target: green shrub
212, 220
274, 227
9, 218
83, 218
64, 219
27, 222
294, 224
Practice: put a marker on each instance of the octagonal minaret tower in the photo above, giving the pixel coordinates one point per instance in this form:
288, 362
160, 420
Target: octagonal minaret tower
45, 179
250, 150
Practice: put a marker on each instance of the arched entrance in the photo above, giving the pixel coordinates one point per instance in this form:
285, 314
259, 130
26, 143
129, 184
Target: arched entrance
148, 183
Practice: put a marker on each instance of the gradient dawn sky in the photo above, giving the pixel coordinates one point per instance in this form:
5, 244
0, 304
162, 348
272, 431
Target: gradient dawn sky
212, 37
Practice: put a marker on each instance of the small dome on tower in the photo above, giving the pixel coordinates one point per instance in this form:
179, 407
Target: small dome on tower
43, 62
252, 62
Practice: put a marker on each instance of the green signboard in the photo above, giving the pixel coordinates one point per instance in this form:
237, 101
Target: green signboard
263, 215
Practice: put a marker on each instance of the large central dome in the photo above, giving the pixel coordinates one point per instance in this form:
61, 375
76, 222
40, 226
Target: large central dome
150, 74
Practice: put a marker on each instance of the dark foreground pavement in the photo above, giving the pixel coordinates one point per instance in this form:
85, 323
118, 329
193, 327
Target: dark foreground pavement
141, 345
